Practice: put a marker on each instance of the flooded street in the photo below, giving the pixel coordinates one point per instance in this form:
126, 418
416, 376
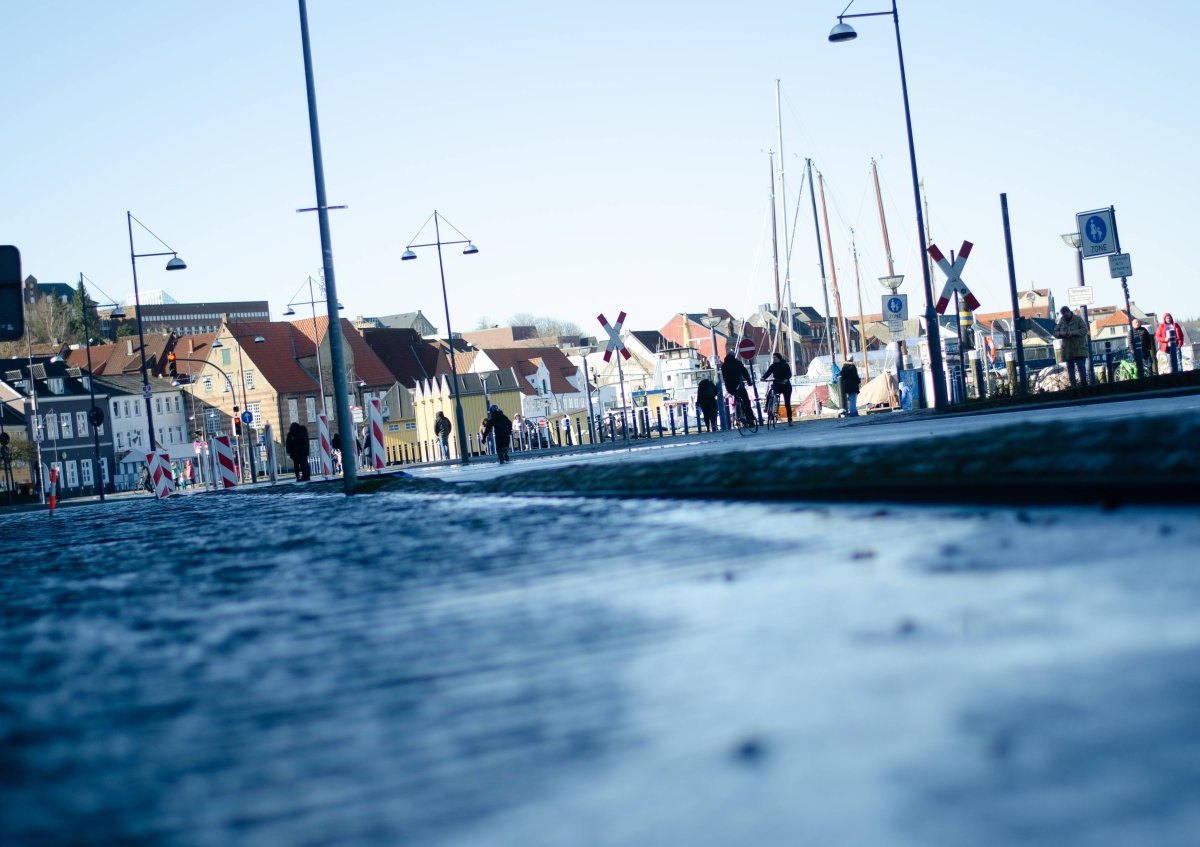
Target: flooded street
310, 669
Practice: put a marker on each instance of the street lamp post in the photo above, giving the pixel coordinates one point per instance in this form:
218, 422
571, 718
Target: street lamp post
1073, 239
173, 264
844, 32
95, 416
469, 250
711, 322
253, 446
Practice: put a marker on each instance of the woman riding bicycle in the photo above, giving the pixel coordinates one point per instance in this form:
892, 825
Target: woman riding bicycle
780, 374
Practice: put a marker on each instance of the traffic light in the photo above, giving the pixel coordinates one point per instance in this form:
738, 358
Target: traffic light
172, 367
237, 427
12, 312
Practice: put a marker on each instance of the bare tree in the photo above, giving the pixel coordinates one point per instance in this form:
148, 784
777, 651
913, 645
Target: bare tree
48, 319
546, 327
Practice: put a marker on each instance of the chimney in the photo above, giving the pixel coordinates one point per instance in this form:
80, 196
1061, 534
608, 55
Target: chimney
128, 346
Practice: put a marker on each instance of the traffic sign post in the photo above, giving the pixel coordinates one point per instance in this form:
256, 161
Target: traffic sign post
746, 349
1098, 233
615, 344
1120, 265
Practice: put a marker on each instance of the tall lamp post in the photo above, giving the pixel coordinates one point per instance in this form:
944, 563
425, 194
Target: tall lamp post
711, 322
469, 250
844, 32
95, 415
253, 446
173, 264
1074, 240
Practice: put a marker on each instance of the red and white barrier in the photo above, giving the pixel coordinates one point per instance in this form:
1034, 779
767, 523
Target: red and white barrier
222, 453
52, 488
159, 463
326, 448
376, 433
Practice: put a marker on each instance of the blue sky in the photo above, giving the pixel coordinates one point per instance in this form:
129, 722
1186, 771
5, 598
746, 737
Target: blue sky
603, 158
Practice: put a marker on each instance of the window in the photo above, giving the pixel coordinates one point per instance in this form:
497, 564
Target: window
208, 385
158, 405
255, 409
116, 407
410, 424
225, 387
393, 427
120, 440
226, 357
81, 423
85, 468
55, 384
249, 380
178, 402
104, 469
310, 407
72, 474
65, 419
293, 410
51, 425
126, 408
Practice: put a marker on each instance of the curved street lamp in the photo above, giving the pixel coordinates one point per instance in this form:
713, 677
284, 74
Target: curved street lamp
173, 264
844, 32
469, 250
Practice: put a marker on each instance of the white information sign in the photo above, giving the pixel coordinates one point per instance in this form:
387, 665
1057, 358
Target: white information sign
1120, 265
1097, 232
895, 307
1081, 295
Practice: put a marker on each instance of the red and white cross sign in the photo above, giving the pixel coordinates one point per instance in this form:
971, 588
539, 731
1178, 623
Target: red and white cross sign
614, 336
953, 274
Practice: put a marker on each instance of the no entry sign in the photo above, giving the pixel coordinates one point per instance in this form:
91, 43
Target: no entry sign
746, 348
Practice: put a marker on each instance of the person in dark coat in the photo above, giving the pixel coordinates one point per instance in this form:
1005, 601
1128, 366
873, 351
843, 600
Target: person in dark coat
442, 428
706, 399
736, 379
780, 374
296, 445
498, 424
850, 382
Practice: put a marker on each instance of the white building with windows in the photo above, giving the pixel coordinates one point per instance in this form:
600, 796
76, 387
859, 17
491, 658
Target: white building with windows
126, 414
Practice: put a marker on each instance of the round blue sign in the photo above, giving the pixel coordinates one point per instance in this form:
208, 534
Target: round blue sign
1095, 229
247, 417
895, 305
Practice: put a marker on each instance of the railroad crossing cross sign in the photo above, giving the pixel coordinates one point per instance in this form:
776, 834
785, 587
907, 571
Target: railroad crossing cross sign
953, 274
746, 348
614, 336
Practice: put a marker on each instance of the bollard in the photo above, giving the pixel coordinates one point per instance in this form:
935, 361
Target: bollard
612, 427
671, 418
1010, 366
578, 433
1172, 348
977, 370
591, 431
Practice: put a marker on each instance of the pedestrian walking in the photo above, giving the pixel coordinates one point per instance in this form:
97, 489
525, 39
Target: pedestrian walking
780, 374
1144, 345
497, 424
706, 399
1169, 336
1073, 332
849, 381
442, 428
296, 446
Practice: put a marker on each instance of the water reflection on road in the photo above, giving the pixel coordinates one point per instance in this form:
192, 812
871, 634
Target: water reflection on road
398, 668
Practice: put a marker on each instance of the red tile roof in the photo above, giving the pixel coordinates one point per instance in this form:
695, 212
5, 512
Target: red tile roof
367, 366
277, 357
1115, 319
524, 361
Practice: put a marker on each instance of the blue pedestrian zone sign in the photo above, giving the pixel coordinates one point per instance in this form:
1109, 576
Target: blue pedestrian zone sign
1097, 232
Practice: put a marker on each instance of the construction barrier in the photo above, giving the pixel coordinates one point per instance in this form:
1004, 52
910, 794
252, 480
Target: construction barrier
324, 445
52, 488
376, 433
159, 464
222, 453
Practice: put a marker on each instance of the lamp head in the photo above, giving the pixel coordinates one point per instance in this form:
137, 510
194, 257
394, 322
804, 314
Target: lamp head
176, 264
842, 32
290, 311
471, 250
1071, 239
118, 313
891, 282
217, 345
340, 307
407, 255
258, 339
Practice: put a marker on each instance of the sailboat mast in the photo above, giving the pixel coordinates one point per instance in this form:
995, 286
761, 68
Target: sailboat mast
812, 191
787, 242
837, 297
887, 244
862, 326
775, 253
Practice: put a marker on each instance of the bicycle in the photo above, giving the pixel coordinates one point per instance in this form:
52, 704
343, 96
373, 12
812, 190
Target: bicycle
772, 414
744, 418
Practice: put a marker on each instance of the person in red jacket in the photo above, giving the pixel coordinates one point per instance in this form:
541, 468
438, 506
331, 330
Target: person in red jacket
1169, 336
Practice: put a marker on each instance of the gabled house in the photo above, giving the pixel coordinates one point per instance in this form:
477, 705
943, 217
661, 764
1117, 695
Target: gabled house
548, 381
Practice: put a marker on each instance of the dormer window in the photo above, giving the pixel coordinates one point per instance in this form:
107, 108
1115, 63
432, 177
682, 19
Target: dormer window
55, 384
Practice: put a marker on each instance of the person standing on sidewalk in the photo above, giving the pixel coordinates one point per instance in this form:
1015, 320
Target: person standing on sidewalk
1073, 332
706, 399
442, 428
1145, 343
849, 381
296, 446
1170, 343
